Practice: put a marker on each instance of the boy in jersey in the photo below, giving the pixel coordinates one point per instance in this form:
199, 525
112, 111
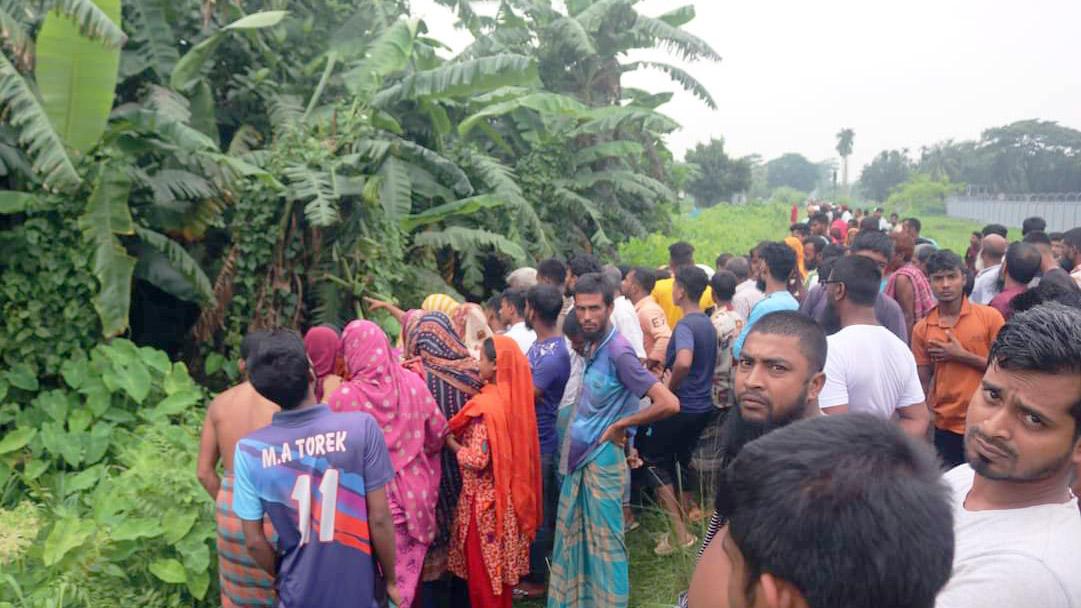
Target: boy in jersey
319, 476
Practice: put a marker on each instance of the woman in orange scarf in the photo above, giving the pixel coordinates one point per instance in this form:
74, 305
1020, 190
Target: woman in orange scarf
495, 440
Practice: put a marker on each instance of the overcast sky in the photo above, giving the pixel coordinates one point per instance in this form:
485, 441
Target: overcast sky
902, 74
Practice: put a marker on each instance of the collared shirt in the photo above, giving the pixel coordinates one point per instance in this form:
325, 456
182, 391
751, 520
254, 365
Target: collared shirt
662, 294
522, 336
625, 320
747, 295
985, 287
955, 382
613, 383
778, 300
655, 329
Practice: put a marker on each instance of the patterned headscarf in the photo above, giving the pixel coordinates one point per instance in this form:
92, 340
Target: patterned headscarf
439, 302
412, 424
431, 339
472, 327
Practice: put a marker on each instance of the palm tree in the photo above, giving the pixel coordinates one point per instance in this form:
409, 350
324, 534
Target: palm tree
844, 148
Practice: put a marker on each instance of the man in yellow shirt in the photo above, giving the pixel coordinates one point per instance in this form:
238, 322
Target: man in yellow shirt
679, 255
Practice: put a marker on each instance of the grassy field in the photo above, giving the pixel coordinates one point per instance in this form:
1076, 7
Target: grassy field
736, 229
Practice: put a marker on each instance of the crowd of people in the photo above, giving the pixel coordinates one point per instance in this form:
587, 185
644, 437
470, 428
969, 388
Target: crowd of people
862, 418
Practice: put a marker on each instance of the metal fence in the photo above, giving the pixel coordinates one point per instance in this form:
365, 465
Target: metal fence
1061, 211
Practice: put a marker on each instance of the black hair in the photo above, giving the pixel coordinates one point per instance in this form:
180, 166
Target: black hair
681, 254
1047, 291
571, 328
1055, 236
489, 349
1023, 262
623, 270
740, 267
723, 283
913, 223
1072, 237
552, 270
494, 302
869, 224
923, 252
279, 368
820, 218
815, 502
833, 250
584, 263
546, 301
1044, 339
876, 241
801, 228
779, 258
693, 280
820, 242
250, 343
860, 276
595, 283
1033, 224
811, 337
516, 298
1037, 237
943, 260
645, 278
722, 260
998, 229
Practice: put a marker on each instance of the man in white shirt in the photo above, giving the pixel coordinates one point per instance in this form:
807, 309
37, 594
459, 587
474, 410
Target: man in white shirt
868, 369
1016, 522
987, 283
747, 292
624, 318
512, 315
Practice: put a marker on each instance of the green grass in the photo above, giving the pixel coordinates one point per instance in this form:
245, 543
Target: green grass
737, 228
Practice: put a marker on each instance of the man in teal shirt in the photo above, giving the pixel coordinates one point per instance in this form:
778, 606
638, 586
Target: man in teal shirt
777, 261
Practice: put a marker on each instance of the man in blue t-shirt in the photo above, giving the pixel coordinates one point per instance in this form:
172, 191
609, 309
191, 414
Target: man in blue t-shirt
689, 365
550, 364
775, 264
320, 477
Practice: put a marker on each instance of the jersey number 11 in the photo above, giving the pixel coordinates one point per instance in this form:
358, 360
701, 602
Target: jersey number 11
302, 493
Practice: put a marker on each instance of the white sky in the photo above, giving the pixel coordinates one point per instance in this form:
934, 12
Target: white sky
900, 74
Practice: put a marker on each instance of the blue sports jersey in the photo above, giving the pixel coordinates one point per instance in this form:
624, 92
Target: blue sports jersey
310, 471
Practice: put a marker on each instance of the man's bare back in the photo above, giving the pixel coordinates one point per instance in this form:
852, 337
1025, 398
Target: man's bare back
231, 415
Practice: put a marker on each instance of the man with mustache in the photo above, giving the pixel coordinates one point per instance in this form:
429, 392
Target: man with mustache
778, 378
1015, 518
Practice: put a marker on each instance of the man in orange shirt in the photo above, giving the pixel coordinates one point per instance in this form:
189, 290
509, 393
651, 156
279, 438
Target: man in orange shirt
951, 346
637, 285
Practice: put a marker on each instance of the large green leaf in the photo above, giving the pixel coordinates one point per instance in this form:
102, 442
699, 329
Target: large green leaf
16, 439
95, 19
68, 533
610, 149
76, 77
463, 207
15, 36
158, 35
16, 202
541, 102
387, 54
188, 70
36, 133
316, 189
169, 570
463, 239
680, 76
181, 261
462, 79
107, 215
688, 46
396, 189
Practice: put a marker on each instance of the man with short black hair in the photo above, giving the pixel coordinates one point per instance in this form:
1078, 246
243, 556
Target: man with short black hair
869, 369
679, 255
988, 281
812, 255
878, 247
637, 286
834, 512
512, 315
820, 225
1071, 253
1020, 268
747, 292
1056, 244
552, 272
231, 415
913, 226
1033, 224
624, 318
950, 346
668, 443
1016, 521
321, 478
777, 382
998, 229
589, 560
778, 261
550, 364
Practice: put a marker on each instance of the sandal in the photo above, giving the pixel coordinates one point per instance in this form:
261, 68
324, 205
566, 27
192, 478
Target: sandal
633, 525
664, 546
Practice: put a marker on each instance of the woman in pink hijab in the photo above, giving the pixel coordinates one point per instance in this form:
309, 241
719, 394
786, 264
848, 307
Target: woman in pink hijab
414, 429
